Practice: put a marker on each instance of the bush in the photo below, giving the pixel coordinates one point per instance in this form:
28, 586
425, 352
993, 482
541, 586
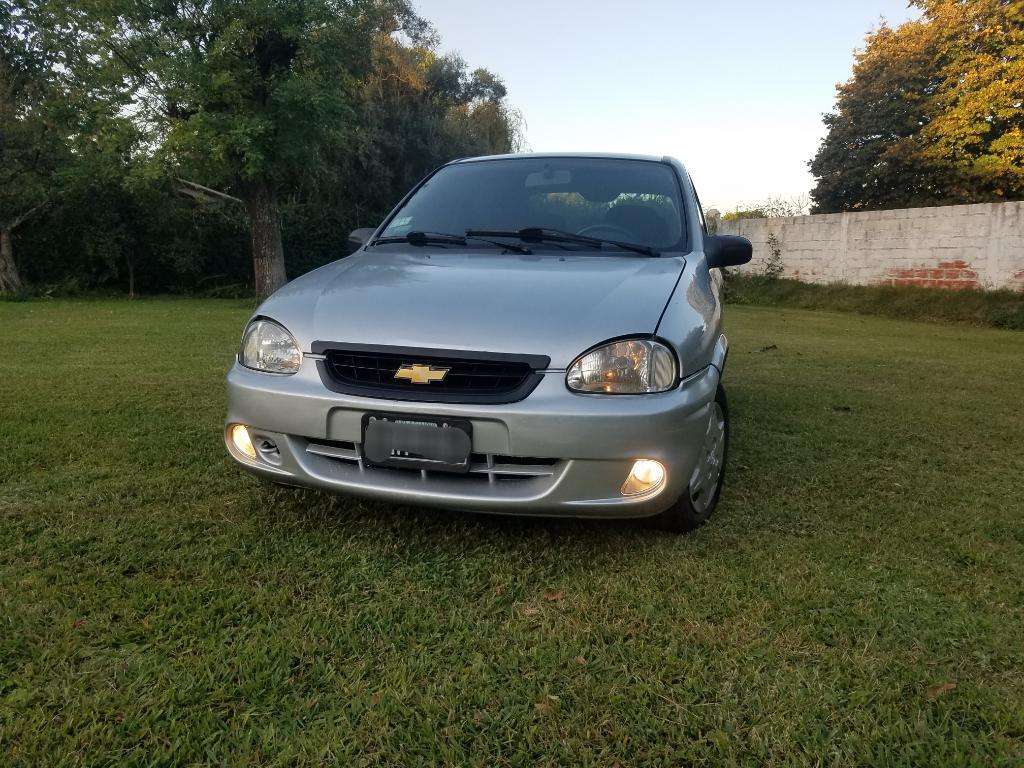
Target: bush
997, 309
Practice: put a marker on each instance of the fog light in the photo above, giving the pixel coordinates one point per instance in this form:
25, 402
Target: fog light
646, 475
241, 440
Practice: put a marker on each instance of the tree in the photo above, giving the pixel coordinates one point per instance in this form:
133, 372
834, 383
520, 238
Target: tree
977, 125
141, 182
243, 95
932, 114
417, 110
29, 141
421, 110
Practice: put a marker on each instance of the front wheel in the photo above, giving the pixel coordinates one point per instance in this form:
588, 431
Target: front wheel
700, 498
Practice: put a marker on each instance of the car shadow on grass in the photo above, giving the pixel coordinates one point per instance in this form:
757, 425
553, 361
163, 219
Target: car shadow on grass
413, 528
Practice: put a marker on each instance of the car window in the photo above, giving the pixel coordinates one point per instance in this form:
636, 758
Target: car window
635, 201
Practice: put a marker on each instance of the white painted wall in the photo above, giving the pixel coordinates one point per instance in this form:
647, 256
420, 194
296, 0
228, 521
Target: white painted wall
956, 246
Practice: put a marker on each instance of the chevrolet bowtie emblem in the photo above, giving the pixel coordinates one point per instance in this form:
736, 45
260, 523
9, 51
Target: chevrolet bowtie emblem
421, 374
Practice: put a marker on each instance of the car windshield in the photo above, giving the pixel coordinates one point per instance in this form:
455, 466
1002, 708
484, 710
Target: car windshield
631, 201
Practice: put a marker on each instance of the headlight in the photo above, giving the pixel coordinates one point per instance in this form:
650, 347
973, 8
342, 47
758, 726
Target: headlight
267, 346
631, 366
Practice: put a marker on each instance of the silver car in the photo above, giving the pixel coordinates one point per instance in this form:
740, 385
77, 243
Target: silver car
523, 334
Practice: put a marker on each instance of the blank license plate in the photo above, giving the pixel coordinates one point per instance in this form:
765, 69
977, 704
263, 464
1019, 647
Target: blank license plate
417, 442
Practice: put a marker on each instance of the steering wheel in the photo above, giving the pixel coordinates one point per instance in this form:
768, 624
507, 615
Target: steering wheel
602, 230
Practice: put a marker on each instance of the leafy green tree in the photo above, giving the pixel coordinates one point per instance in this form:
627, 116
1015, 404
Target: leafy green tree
243, 95
932, 115
75, 194
111, 157
417, 110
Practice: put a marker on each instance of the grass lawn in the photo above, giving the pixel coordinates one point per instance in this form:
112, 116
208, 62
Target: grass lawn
857, 600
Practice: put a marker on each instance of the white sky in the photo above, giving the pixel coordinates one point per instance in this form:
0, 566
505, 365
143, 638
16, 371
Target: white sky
735, 90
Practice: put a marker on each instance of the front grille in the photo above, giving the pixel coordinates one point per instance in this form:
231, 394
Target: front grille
482, 466
470, 377
377, 369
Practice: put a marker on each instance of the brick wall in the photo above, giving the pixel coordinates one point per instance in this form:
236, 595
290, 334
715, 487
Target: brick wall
956, 246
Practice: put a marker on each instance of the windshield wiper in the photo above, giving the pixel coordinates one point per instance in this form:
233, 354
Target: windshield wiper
443, 238
559, 236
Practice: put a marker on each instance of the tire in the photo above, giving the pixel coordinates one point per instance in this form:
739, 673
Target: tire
696, 505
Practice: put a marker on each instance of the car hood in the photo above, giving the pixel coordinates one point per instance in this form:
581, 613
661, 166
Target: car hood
553, 305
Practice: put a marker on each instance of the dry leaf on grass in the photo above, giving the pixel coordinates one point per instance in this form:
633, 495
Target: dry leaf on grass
546, 703
937, 690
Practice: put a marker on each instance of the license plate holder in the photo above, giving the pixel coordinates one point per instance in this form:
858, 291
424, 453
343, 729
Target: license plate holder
400, 441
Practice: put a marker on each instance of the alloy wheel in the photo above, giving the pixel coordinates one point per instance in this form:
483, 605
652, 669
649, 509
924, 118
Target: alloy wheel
704, 481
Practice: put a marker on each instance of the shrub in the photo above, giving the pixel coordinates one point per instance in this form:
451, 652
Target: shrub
997, 309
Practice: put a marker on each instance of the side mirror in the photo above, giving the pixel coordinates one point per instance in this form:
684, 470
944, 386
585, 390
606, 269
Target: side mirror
727, 250
358, 237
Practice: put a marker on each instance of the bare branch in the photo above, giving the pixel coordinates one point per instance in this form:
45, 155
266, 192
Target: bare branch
21, 217
199, 192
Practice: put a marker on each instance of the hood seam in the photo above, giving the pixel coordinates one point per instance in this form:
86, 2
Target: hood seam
679, 277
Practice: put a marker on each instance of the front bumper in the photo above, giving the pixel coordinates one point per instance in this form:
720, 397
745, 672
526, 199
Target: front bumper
589, 443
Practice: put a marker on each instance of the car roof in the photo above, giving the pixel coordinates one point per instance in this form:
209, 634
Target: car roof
606, 155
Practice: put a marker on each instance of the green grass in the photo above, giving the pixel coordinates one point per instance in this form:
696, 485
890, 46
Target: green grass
857, 600
996, 309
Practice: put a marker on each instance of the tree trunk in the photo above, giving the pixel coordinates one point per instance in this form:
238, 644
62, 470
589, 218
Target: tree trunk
131, 277
265, 225
10, 280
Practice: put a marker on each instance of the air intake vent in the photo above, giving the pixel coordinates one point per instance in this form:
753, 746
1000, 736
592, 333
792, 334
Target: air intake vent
486, 466
429, 375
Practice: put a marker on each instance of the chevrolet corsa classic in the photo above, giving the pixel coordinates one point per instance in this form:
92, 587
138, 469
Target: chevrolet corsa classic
524, 334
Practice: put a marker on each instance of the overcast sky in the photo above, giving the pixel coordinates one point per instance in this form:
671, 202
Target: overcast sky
735, 90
